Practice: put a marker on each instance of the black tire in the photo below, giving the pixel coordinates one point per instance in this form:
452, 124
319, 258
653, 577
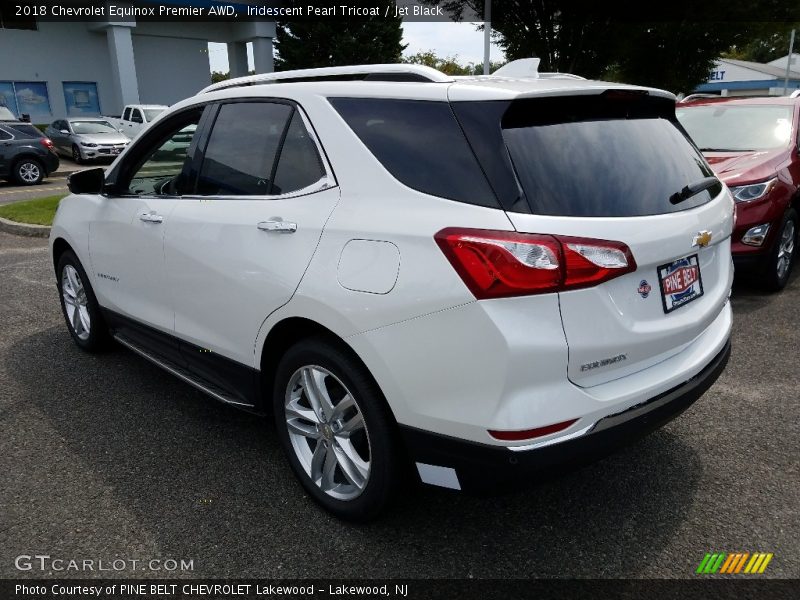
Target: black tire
28, 171
771, 279
76, 155
97, 338
384, 476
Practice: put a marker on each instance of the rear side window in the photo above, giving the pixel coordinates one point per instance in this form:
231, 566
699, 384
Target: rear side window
299, 165
420, 144
593, 156
241, 151
25, 131
4, 135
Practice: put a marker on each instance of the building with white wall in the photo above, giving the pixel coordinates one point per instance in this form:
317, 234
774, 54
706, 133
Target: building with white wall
52, 70
731, 77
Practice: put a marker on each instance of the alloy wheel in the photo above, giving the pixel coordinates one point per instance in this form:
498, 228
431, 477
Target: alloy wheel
76, 302
327, 432
785, 249
29, 172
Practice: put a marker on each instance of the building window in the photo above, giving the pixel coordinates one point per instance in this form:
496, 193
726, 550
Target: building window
81, 99
27, 97
10, 20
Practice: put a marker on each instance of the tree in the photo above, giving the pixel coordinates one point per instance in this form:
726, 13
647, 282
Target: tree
217, 76
771, 44
304, 44
448, 65
670, 46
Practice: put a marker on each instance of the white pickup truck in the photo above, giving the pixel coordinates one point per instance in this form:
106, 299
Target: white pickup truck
135, 118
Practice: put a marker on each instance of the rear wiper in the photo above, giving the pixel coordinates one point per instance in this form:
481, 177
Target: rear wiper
693, 189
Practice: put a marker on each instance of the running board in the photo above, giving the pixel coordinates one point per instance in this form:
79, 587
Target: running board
170, 367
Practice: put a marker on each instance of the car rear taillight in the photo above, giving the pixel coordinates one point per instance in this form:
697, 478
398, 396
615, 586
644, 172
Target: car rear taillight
499, 264
47, 143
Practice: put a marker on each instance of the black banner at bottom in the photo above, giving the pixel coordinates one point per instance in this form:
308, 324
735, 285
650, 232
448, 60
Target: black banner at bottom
506, 589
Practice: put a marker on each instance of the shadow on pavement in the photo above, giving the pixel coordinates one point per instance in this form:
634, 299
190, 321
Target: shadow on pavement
211, 483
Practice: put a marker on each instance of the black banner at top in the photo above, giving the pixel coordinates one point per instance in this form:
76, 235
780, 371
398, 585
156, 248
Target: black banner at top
408, 10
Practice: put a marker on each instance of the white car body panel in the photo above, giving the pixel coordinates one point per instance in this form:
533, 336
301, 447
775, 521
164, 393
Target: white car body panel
446, 362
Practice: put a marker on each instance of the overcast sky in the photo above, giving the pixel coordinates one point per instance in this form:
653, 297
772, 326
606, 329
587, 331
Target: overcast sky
445, 39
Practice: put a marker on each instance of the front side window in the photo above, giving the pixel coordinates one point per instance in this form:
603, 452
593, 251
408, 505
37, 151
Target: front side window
737, 128
241, 151
126, 114
160, 170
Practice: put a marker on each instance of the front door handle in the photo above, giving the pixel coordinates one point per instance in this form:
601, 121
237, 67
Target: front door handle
279, 226
151, 217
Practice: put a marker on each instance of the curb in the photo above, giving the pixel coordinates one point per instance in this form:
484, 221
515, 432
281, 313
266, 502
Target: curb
24, 229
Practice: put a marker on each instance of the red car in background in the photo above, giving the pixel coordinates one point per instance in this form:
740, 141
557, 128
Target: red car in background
752, 144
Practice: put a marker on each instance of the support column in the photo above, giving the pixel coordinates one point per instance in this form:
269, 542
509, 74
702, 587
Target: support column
123, 65
237, 59
262, 55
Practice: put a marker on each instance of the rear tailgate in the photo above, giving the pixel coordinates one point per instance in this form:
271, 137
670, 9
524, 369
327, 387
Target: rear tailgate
612, 167
622, 326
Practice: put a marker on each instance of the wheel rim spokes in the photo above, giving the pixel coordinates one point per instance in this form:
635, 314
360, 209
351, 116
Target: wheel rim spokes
327, 432
76, 305
29, 172
786, 248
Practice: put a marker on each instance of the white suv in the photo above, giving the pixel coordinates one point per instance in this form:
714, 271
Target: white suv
470, 277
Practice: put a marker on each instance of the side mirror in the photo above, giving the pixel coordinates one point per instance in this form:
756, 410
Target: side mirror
25, 118
89, 181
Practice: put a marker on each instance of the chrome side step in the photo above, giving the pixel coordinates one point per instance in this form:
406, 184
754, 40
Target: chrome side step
204, 386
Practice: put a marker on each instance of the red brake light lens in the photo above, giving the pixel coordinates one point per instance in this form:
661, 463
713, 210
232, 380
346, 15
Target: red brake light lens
47, 143
500, 264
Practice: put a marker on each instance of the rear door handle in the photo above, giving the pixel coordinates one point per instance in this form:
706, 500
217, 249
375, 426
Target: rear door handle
151, 217
277, 225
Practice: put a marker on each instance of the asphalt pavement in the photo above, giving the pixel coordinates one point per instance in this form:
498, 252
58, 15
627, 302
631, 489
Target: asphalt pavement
106, 457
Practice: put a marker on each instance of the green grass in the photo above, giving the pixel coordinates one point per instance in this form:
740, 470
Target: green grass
37, 212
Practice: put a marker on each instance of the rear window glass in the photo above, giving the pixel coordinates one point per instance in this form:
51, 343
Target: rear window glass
420, 144
25, 131
600, 157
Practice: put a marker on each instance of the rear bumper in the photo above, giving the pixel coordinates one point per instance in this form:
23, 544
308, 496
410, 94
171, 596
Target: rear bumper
51, 162
470, 466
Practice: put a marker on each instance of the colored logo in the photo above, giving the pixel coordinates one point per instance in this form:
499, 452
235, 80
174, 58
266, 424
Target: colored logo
680, 279
644, 288
702, 239
734, 563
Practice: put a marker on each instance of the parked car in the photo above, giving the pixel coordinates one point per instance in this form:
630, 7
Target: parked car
135, 117
83, 139
752, 144
26, 155
474, 277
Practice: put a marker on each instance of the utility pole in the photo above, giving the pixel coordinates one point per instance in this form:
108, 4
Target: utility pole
788, 64
487, 34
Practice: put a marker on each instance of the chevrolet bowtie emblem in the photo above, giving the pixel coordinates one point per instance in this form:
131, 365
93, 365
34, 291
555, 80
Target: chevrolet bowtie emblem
702, 239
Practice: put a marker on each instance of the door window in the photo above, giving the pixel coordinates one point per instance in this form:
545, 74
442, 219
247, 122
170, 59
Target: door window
136, 116
240, 156
126, 115
160, 169
4, 135
299, 165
